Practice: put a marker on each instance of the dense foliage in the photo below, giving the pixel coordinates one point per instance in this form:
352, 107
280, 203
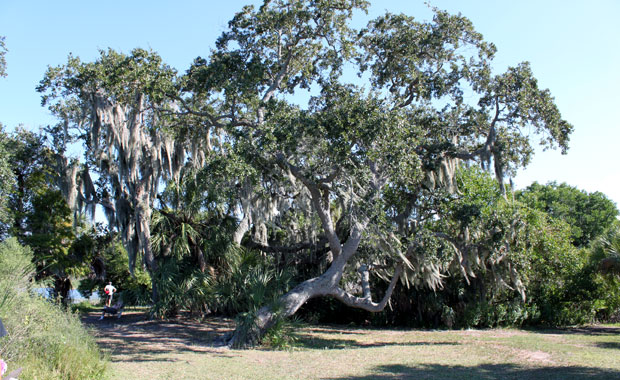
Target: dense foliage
6, 182
587, 214
368, 173
561, 283
38, 215
107, 262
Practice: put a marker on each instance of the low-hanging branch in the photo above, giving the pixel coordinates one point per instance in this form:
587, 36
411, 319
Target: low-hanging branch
365, 302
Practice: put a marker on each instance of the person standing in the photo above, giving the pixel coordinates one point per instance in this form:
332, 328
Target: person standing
109, 291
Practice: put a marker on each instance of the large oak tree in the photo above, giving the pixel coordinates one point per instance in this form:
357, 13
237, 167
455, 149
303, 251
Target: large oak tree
361, 172
363, 169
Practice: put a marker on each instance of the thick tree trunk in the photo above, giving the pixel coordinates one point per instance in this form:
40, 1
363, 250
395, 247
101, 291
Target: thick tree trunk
62, 287
143, 232
325, 285
289, 303
266, 317
200, 257
328, 283
242, 229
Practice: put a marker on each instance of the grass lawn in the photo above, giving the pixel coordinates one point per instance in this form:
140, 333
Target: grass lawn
183, 349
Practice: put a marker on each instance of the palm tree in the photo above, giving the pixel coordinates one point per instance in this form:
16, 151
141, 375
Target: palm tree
610, 245
191, 241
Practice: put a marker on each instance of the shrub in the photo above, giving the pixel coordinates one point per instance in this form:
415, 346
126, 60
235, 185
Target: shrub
249, 283
181, 286
47, 342
283, 334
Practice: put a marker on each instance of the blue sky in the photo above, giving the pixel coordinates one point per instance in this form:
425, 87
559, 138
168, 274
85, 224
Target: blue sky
572, 45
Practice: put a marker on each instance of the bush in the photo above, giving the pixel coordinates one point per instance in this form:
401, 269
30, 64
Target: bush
47, 342
181, 286
604, 274
84, 307
283, 334
494, 314
249, 283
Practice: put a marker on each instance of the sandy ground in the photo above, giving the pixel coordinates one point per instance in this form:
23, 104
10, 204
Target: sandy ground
134, 333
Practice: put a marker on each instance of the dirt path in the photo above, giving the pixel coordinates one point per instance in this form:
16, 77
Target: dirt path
134, 336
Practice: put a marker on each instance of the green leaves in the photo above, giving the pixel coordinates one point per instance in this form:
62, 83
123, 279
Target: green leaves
7, 180
3, 51
116, 75
517, 102
375, 160
587, 214
418, 61
284, 45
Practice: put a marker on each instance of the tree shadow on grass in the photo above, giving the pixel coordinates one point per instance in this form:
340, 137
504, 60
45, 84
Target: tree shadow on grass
133, 347
608, 345
583, 330
135, 338
344, 337
485, 372
315, 342
335, 330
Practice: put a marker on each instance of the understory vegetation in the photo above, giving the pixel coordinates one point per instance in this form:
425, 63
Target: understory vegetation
563, 284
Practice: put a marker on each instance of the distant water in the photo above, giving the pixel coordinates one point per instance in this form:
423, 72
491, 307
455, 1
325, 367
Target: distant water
74, 295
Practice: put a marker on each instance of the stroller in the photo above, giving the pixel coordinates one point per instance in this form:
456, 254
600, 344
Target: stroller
117, 310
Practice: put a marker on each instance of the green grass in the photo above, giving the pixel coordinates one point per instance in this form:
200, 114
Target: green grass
183, 351
84, 307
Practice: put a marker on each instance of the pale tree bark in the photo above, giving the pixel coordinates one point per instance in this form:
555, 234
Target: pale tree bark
242, 229
246, 208
143, 233
327, 284
134, 160
118, 105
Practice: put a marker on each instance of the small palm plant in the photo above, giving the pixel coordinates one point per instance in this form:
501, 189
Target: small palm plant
610, 244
